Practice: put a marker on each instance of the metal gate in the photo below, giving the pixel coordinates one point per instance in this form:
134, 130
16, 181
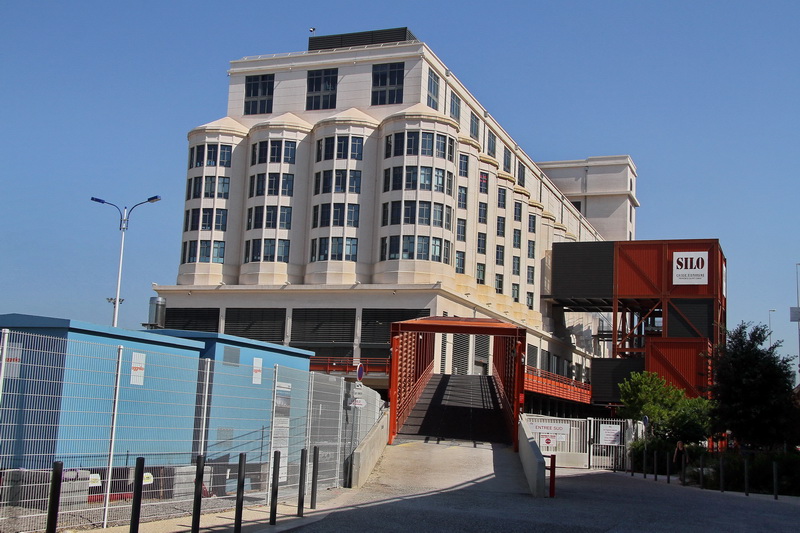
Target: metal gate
597, 443
608, 439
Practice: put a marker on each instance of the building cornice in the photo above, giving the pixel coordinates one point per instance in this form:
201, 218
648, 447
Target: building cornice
421, 115
488, 160
506, 176
470, 142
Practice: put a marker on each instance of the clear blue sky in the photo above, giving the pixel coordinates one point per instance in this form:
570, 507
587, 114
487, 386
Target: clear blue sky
97, 99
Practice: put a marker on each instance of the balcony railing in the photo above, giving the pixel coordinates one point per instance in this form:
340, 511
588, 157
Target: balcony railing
544, 382
349, 365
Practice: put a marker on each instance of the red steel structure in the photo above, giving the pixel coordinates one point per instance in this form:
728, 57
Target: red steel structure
412, 363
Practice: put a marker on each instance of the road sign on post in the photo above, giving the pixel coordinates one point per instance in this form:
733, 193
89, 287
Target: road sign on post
360, 372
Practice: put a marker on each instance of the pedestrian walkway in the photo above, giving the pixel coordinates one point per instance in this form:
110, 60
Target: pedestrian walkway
464, 486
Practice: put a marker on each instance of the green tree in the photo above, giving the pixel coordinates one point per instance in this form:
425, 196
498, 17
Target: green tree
752, 389
673, 415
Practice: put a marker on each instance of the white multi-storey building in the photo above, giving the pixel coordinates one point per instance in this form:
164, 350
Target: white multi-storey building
359, 183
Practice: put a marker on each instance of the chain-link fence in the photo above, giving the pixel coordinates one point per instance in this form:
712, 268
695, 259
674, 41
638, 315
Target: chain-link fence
90, 406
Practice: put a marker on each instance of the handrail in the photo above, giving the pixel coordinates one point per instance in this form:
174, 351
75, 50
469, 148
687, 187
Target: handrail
378, 365
551, 384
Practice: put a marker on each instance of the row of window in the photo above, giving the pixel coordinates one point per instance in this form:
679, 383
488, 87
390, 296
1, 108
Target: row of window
337, 215
334, 249
274, 151
209, 252
481, 246
419, 143
269, 217
205, 219
337, 181
343, 146
418, 178
419, 247
321, 87
218, 186
210, 155
412, 212
271, 184
270, 250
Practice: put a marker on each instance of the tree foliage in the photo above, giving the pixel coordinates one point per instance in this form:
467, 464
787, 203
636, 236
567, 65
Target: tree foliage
673, 415
752, 389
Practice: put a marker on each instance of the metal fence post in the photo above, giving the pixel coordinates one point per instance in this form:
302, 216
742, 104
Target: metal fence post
4, 348
746, 477
198, 493
55, 497
314, 477
136, 505
113, 437
237, 520
668, 465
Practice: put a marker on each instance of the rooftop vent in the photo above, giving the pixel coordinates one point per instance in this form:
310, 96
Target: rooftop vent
362, 38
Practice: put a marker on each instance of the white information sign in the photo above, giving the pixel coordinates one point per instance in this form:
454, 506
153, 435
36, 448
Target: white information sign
94, 480
137, 368
690, 268
258, 370
358, 403
548, 440
551, 428
147, 479
610, 435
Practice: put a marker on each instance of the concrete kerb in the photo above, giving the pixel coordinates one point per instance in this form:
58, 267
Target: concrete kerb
366, 455
533, 464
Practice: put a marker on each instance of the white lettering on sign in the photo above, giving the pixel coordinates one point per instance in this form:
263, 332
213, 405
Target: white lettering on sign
550, 428
137, 368
690, 268
258, 370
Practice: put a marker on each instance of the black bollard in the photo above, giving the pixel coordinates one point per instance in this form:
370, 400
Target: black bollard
314, 477
237, 520
668, 468
198, 493
683, 470
702, 467
273, 500
775, 479
301, 497
655, 465
55, 497
136, 505
644, 463
721, 474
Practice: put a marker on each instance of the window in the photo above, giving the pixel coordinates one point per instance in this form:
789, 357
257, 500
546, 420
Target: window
283, 251
529, 300
531, 250
397, 178
329, 144
425, 178
433, 89
351, 249
313, 255
461, 259
449, 184
197, 187
337, 248
461, 230
260, 156
395, 214
275, 151
225, 151
501, 226
287, 185
339, 212
273, 184
483, 207
357, 148
500, 255
223, 187
408, 247
409, 212
441, 146
289, 152
438, 215
462, 197
463, 165
258, 216
354, 185
506, 159
387, 83
451, 149
255, 251
322, 251
394, 247
189, 189
191, 165
515, 266
191, 254
455, 106
427, 144
530, 275
199, 155
249, 218
423, 248
517, 211
324, 215
515, 291
399, 143
352, 215
498, 283
209, 188
438, 183
205, 251
342, 147
436, 249
577, 205
321, 89
327, 181
258, 94
340, 181
491, 144
484, 183
481, 243
501, 198
474, 126
412, 143
315, 216
269, 250
221, 220
246, 252
520, 174
517, 238
385, 214
411, 178
286, 218
424, 216
480, 273
448, 218
532, 223
271, 217
195, 224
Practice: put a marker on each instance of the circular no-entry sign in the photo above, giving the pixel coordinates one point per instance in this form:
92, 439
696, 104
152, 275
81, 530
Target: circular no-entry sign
360, 372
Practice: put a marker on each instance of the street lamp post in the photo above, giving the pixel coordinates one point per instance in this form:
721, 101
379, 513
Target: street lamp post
124, 216
769, 322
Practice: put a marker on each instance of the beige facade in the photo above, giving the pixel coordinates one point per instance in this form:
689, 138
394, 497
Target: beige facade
403, 196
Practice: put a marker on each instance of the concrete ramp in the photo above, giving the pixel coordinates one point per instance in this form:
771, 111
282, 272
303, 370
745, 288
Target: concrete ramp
457, 408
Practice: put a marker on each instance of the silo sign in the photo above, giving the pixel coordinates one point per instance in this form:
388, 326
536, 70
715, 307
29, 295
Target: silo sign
690, 268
